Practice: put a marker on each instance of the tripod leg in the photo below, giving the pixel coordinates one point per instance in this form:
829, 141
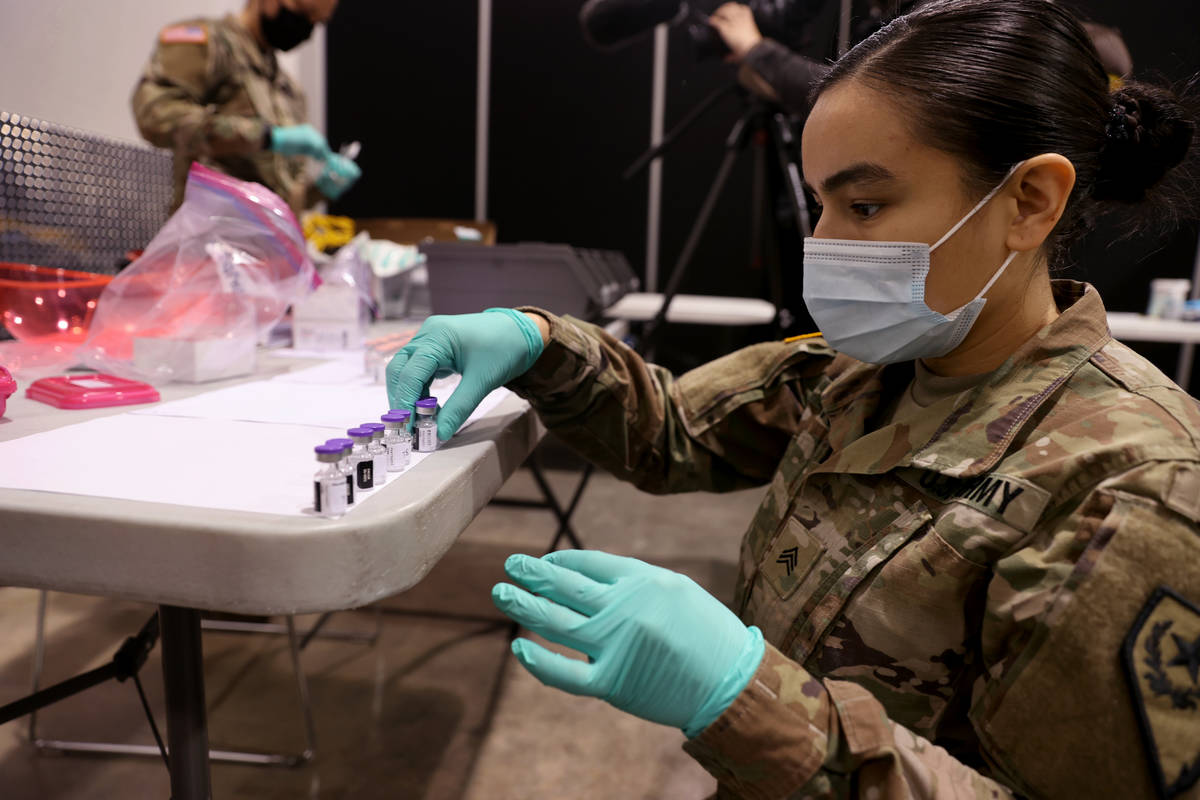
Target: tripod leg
732, 149
785, 146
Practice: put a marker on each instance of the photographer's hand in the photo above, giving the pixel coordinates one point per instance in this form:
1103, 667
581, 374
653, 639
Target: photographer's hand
735, 22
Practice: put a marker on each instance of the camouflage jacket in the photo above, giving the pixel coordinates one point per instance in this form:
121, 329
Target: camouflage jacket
997, 598
211, 93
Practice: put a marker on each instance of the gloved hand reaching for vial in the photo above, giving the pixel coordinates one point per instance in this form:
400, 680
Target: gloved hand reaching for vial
658, 645
488, 350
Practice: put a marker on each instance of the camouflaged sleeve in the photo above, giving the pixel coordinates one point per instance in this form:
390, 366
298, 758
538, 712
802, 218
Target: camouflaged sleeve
789, 735
171, 102
721, 427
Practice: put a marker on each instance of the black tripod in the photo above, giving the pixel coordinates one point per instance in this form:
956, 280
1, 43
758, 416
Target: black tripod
757, 119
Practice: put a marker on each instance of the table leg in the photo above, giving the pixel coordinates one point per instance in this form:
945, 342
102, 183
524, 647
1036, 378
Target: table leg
187, 722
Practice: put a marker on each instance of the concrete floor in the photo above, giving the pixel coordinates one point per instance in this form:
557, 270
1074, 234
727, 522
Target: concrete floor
437, 708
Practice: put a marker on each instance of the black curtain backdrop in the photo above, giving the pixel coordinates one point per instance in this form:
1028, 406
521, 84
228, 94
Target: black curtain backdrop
566, 120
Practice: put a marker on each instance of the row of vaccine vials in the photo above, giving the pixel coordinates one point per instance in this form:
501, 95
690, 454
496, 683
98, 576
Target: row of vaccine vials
363, 461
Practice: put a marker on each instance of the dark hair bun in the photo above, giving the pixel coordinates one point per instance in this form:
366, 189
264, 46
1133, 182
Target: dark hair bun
1148, 131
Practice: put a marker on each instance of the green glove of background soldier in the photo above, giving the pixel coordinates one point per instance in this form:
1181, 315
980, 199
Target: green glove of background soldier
299, 140
339, 174
488, 350
658, 646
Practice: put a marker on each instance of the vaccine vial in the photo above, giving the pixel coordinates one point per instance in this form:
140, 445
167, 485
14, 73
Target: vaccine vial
329, 485
377, 451
426, 425
361, 461
344, 465
397, 440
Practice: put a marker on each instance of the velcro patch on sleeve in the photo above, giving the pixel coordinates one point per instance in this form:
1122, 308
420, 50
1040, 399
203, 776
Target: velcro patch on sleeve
1162, 665
1012, 500
184, 34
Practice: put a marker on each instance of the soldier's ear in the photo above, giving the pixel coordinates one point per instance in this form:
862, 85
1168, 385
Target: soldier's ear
1041, 188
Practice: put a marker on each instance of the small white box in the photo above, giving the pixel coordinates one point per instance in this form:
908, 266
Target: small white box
195, 360
332, 317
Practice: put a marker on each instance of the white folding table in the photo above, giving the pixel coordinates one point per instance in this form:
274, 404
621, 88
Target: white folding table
185, 559
1128, 327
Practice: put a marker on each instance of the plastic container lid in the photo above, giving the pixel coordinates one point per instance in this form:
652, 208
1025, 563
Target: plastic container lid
360, 433
345, 444
328, 449
427, 402
396, 416
91, 391
375, 426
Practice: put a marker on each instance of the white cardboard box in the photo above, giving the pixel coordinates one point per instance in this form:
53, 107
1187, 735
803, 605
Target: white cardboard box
330, 318
195, 360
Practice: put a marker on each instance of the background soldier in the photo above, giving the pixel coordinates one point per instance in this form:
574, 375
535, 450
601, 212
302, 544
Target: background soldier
214, 92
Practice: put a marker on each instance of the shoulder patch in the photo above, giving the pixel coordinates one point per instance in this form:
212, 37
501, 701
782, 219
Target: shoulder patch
184, 34
1162, 664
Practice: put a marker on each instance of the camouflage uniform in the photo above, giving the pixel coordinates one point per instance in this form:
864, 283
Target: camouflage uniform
212, 93
961, 602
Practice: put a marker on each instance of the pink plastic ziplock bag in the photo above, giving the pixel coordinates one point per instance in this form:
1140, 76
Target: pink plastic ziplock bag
226, 266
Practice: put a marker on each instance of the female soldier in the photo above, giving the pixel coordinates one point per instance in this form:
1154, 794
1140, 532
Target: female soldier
975, 569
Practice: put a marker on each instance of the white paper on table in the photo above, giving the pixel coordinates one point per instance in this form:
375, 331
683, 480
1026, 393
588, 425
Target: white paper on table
224, 464
337, 407
343, 372
288, 352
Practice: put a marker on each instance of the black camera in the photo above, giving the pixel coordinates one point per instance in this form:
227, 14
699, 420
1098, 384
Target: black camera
610, 24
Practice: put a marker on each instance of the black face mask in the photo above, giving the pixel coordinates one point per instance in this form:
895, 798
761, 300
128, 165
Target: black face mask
286, 29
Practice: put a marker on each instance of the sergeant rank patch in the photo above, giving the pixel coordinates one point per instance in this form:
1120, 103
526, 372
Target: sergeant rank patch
1162, 664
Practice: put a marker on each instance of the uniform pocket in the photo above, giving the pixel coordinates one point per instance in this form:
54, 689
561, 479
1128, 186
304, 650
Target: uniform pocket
908, 632
840, 576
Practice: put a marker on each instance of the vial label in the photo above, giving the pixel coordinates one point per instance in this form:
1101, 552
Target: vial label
366, 473
329, 497
349, 490
380, 473
427, 439
398, 455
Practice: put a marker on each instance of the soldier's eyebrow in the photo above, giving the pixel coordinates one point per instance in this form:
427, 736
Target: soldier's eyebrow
862, 172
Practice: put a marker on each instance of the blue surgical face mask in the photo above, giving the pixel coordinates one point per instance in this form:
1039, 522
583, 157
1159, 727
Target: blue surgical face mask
868, 298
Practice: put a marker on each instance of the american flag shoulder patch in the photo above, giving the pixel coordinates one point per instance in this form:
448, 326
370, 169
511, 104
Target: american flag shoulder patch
184, 34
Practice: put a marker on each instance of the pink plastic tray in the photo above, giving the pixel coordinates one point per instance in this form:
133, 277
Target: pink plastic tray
91, 391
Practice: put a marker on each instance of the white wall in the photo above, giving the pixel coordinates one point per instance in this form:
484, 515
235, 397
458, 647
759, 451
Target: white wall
75, 62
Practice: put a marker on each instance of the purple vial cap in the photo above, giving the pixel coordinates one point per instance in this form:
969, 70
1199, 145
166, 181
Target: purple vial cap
360, 432
342, 443
396, 416
427, 402
328, 449
375, 426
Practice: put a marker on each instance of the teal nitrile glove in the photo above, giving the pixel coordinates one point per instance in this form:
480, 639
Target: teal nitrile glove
658, 645
340, 174
299, 140
488, 350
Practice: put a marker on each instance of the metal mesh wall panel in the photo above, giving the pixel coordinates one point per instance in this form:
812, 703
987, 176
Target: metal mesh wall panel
76, 200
